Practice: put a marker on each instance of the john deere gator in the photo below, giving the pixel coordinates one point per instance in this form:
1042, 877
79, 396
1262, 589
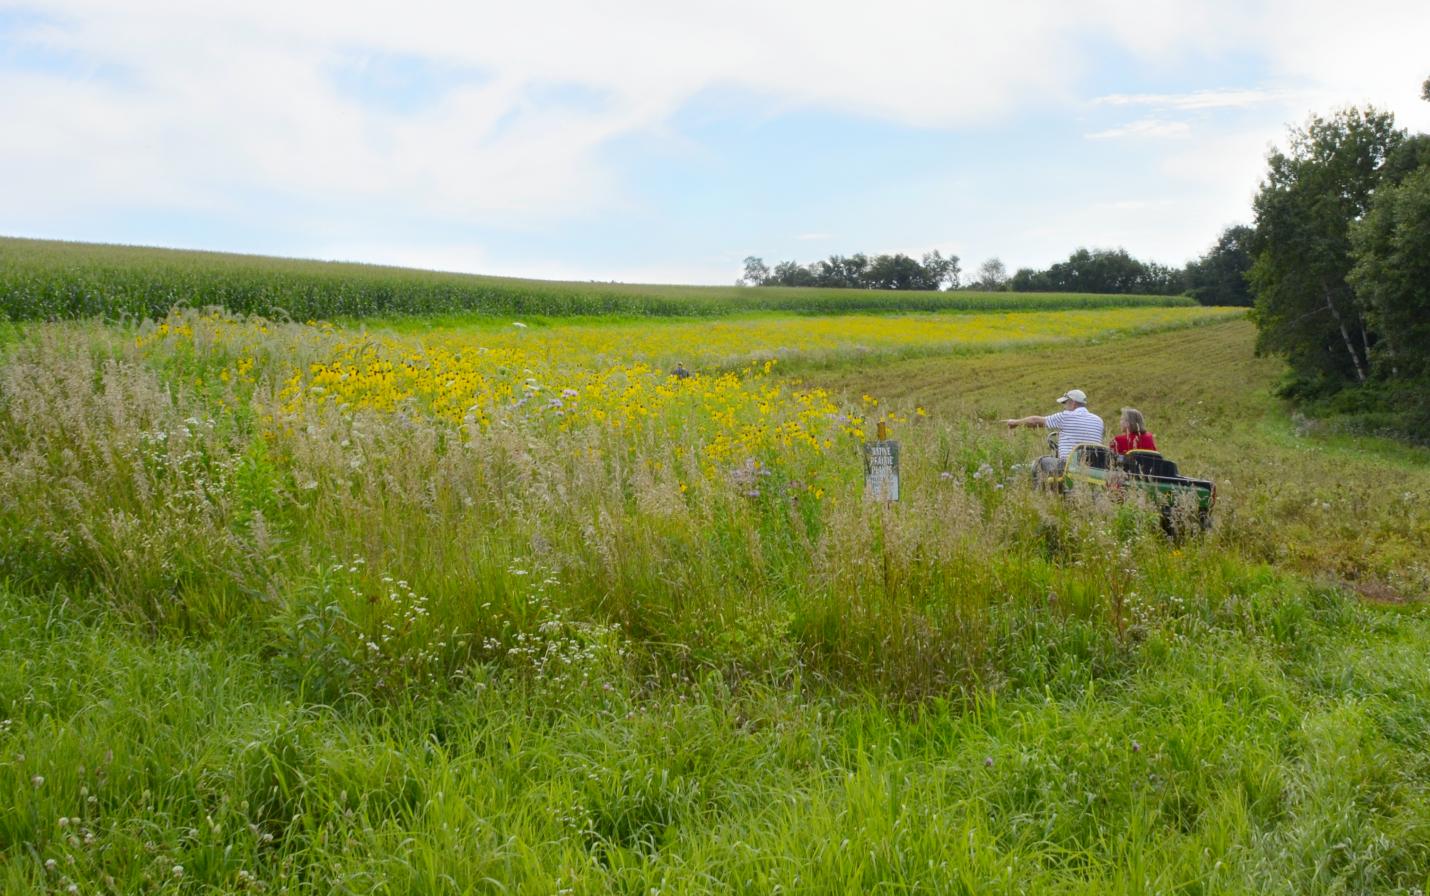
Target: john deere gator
1144, 472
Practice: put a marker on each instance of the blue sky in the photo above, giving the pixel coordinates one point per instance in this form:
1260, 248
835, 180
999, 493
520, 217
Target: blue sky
663, 142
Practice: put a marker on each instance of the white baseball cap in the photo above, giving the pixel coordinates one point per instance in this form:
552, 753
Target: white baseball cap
1076, 395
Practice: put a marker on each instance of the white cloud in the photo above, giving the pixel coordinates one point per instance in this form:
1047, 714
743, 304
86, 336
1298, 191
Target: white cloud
1147, 127
215, 106
1200, 99
1353, 53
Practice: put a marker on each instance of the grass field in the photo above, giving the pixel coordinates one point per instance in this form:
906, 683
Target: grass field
315, 609
44, 280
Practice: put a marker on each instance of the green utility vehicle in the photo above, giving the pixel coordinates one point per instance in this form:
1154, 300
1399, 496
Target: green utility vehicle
1144, 472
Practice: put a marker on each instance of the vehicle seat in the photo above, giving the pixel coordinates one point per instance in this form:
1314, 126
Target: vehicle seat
1141, 462
1098, 457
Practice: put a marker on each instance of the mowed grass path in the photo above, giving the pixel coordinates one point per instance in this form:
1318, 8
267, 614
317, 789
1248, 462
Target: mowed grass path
1352, 510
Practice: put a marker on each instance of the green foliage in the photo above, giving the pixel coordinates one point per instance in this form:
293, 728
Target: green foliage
992, 275
1305, 307
1103, 271
1391, 408
1219, 276
858, 271
1267, 740
50, 280
1343, 233
1392, 274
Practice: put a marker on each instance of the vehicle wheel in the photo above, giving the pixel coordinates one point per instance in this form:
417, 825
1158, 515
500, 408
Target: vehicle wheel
1046, 478
1169, 523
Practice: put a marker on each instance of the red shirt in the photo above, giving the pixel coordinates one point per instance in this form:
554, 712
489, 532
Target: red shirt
1133, 441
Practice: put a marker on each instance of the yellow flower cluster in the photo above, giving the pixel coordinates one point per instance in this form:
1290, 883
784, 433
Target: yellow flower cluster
731, 413
732, 341
730, 416
741, 419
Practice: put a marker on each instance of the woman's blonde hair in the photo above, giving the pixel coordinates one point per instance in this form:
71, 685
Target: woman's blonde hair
1132, 421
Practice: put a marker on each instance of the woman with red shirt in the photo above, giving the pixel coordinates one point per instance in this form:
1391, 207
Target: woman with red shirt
1134, 433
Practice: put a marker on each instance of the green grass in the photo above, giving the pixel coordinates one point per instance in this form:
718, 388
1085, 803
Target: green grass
44, 280
1274, 749
1350, 508
373, 658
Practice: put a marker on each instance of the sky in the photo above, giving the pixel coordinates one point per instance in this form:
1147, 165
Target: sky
666, 141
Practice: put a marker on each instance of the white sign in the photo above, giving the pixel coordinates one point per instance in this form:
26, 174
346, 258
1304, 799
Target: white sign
881, 470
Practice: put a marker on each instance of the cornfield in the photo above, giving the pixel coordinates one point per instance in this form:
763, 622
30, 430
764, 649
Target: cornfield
43, 280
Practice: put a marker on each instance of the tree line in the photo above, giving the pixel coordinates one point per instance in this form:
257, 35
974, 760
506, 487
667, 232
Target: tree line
1335, 265
858, 271
1217, 278
1341, 267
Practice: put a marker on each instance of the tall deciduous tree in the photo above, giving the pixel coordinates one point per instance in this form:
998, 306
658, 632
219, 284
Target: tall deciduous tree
1305, 308
840, 271
858, 271
757, 273
1029, 280
1391, 275
897, 271
940, 270
791, 273
992, 275
1101, 271
1219, 277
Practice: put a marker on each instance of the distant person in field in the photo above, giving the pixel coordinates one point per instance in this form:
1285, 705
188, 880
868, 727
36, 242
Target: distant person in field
680, 372
1074, 425
1134, 435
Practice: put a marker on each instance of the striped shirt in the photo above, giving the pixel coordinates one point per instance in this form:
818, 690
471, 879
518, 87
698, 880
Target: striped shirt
1075, 427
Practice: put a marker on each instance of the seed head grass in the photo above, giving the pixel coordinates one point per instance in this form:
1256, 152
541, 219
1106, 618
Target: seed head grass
311, 609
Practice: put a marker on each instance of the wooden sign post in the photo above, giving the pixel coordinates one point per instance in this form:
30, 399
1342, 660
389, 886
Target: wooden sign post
881, 467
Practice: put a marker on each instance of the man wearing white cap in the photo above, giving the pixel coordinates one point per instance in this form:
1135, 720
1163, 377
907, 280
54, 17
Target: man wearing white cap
1074, 424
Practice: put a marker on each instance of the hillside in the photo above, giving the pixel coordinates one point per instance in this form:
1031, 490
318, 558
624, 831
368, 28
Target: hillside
323, 608
46, 280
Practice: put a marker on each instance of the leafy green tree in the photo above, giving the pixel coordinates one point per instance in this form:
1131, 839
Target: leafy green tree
791, 273
757, 273
1160, 280
858, 271
846, 272
1305, 308
897, 271
992, 275
1412, 154
1111, 271
1029, 280
1219, 276
1101, 271
1391, 275
940, 271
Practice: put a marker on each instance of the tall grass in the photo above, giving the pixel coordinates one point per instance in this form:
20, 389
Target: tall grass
44, 280
1347, 509
246, 646
398, 548
1232, 763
